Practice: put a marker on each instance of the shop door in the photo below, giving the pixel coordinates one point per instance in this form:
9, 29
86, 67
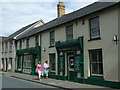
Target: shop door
71, 73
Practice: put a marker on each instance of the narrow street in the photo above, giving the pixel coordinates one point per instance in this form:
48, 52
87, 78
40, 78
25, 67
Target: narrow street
10, 82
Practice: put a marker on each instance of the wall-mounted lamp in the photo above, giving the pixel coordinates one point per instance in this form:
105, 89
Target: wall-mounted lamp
44, 49
115, 39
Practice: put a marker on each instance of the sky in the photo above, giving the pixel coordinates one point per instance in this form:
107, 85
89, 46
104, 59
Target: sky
15, 14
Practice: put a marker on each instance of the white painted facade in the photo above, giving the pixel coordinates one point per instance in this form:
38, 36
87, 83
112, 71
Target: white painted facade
9, 50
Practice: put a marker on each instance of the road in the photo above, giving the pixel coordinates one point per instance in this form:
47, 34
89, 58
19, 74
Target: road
10, 82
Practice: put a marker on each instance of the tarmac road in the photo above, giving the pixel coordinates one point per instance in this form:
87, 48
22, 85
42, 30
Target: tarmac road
10, 82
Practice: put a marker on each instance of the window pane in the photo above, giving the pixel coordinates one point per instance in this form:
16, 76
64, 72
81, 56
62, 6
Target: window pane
95, 32
52, 38
36, 40
27, 43
100, 68
52, 62
100, 56
95, 68
96, 62
94, 27
93, 56
69, 32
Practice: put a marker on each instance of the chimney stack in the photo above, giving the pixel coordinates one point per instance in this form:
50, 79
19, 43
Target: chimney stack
60, 9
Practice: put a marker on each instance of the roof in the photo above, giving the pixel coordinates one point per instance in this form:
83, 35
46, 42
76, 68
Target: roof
21, 30
32, 32
97, 6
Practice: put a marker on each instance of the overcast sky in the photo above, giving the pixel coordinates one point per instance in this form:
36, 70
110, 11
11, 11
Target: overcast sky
15, 15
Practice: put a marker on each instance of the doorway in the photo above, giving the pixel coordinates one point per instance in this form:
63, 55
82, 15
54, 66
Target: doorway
70, 66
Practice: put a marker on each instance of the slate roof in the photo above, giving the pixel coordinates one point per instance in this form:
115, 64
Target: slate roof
97, 6
19, 31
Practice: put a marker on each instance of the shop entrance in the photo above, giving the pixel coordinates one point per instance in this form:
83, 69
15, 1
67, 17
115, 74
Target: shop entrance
70, 70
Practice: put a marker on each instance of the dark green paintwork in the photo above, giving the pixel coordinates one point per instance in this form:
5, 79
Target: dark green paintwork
72, 45
34, 51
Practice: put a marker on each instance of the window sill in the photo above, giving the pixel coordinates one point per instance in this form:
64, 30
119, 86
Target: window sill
92, 39
51, 46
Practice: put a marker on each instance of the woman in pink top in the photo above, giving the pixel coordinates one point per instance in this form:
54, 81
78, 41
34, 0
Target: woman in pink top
39, 70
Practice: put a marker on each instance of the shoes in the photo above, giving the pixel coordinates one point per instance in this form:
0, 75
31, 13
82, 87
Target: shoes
40, 79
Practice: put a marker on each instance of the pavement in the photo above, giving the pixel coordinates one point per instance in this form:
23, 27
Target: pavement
51, 82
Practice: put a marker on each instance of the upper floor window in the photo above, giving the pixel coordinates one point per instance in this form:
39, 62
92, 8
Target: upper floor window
20, 45
10, 49
27, 43
69, 32
6, 47
2, 47
52, 38
94, 28
96, 62
37, 40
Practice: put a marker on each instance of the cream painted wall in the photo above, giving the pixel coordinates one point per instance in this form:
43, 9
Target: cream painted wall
45, 44
32, 41
109, 23
119, 44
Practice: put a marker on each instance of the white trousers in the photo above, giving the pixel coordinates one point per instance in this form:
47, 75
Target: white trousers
40, 73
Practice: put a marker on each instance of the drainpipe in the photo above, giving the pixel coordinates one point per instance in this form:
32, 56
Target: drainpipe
40, 47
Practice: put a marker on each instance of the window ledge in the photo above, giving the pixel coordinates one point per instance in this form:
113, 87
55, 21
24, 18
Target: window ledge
51, 46
92, 39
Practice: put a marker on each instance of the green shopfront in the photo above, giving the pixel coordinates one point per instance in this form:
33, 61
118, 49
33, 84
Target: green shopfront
70, 60
71, 64
27, 59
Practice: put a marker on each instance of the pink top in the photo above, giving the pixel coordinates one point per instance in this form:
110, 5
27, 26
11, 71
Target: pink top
39, 67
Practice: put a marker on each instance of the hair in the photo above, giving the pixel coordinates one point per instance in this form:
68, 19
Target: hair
38, 62
46, 61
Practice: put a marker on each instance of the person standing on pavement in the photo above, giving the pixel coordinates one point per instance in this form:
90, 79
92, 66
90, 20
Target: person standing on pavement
39, 70
46, 68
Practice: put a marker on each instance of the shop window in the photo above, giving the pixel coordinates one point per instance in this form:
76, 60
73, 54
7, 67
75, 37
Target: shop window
27, 63
96, 62
69, 32
52, 38
52, 62
94, 28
